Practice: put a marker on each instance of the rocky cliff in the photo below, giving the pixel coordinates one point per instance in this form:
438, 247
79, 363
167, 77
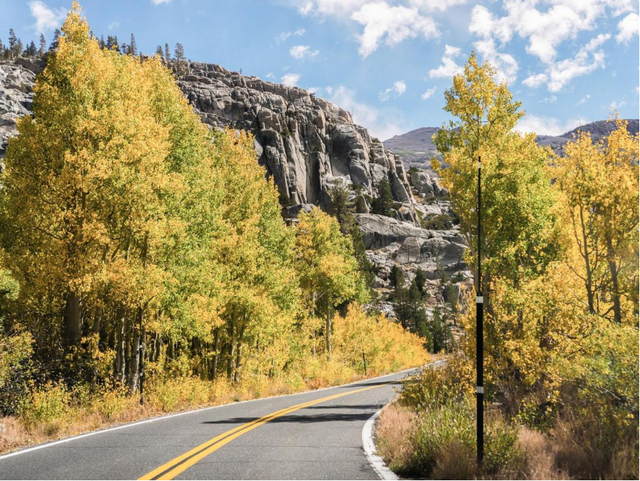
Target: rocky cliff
16, 95
306, 143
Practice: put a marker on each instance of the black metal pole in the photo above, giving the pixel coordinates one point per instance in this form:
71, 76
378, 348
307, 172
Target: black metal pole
479, 334
141, 357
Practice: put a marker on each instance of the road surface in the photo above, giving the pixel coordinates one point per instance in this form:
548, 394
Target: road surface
313, 435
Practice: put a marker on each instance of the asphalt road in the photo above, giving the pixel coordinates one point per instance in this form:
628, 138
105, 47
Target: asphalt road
314, 435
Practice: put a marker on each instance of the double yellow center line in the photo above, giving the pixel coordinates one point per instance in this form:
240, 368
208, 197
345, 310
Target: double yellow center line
177, 465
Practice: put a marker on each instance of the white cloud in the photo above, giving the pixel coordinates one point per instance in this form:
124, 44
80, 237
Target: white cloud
160, 2
628, 28
536, 80
449, 67
328, 7
543, 29
364, 114
558, 74
550, 100
293, 33
397, 90
547, 125
435, 5
505, 64
114, 24
617, 105
429, 93
290, 79
270, 75
46, 18
584, 99
300, 52
393, 24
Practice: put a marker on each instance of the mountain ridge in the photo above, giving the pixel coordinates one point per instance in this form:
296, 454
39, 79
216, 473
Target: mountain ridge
416, 147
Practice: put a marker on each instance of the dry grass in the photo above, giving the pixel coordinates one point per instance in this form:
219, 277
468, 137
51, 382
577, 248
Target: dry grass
539, 455
456, 462
394, 431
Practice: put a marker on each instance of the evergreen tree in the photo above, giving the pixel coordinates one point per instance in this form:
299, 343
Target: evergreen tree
440, 333
360, 202
15, 44
159, 52
421, 280
56, 39
383, 203
179, 53
341, 207
31, 50
102, 43
397, 276
133, 48
43, 46
167, 53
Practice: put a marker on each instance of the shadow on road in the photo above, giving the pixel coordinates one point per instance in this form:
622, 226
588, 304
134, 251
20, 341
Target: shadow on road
368, 409
377, 383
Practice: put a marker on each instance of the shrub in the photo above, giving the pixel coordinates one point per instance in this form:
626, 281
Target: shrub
15, 370
47, 404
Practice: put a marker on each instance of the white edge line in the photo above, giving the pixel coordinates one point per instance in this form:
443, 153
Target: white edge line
376, 462
168, 416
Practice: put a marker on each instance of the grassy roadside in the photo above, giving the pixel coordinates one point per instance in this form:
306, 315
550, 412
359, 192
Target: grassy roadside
56, 412
429, 433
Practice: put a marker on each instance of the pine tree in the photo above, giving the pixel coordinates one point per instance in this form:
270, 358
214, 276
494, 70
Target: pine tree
15, 46
43, 46
133, 48
167, 53
179, 53
360, 203
102, 43
383, 203
159, 52
421, 280
56, 39
31, 50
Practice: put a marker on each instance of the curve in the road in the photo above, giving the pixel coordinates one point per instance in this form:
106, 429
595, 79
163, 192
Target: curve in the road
176, 466
312, 435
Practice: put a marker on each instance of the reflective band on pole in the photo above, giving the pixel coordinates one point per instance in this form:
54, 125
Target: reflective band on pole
480, 300
479, 390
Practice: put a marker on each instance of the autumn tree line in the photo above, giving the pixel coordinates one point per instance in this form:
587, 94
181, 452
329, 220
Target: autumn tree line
130, 229
560, 285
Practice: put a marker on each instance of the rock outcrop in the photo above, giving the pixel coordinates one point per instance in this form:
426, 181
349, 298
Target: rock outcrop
16, 95
306, 143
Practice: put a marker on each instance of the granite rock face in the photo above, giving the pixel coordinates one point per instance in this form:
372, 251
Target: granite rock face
16, 95
306, 143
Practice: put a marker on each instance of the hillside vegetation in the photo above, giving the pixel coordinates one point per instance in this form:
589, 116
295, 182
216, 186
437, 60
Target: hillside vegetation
130, 229
560, 287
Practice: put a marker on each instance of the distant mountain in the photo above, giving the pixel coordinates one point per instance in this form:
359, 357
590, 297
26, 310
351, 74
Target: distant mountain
416, 147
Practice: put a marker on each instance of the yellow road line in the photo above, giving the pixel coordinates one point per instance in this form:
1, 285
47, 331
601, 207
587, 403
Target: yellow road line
178, 465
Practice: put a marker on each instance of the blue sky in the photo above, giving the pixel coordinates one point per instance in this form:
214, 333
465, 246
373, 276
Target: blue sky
389, 61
